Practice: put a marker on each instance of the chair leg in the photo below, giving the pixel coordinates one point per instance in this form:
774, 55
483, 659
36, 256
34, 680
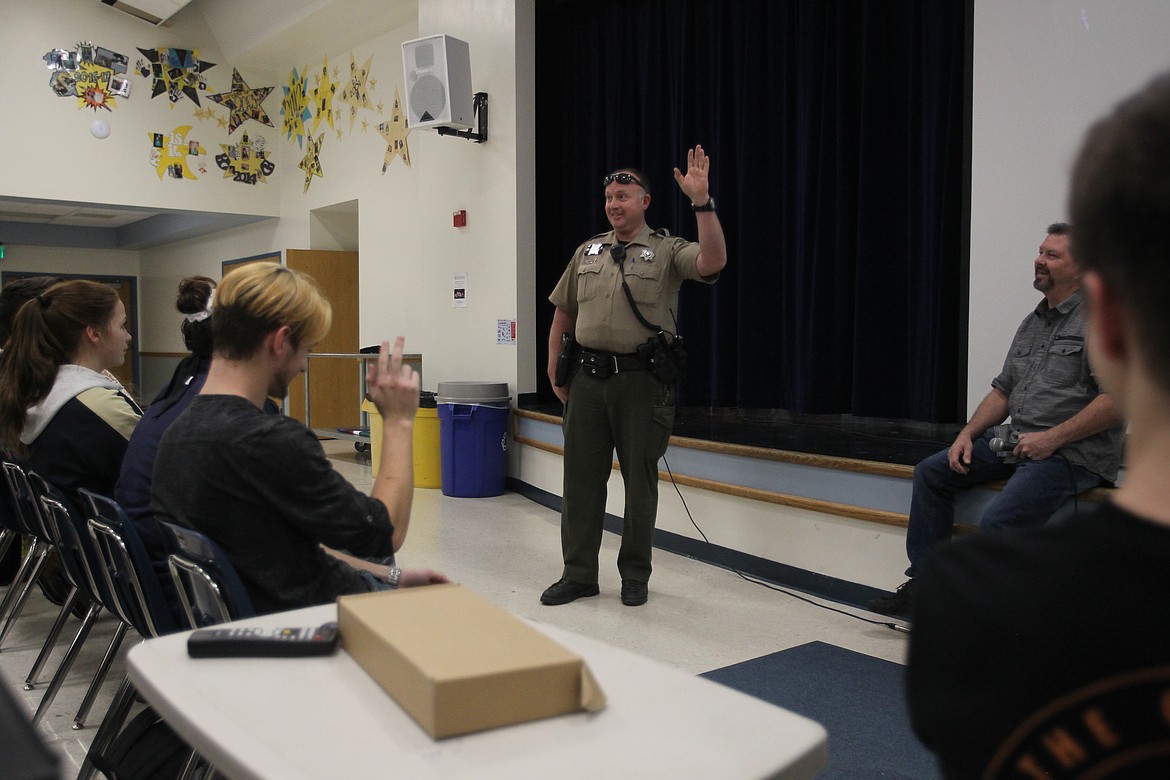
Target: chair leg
194, 763
6, 537
108, 731
25, 591
30, 681
67, 662
99, 676
22, 574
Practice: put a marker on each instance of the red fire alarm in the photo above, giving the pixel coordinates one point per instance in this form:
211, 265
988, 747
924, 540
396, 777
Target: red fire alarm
459, 218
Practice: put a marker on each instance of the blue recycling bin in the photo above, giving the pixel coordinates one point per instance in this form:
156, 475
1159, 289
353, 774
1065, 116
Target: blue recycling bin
473, 437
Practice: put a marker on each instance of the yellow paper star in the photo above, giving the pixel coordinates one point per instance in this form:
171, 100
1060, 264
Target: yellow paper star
395, 132
311, 162
92, 83
323, 92
245, 162
355, 92
295, 106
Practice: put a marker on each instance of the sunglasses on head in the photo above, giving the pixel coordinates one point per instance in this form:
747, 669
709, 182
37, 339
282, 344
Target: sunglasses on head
622, 178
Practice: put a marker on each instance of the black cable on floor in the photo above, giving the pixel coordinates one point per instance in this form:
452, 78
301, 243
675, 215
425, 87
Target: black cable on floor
772, 586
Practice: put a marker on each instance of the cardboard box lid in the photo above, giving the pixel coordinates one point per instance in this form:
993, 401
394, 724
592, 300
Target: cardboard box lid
452, 659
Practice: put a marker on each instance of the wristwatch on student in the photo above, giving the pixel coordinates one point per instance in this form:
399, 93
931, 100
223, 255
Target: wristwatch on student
393, 574
708, 206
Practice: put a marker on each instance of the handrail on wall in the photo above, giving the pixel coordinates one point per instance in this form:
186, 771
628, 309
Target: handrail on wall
414, 360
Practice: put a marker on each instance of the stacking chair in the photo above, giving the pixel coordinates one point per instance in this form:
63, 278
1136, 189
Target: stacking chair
25, 515
132, 578
129, 575
128, 570
10, 530
208, 584
79, 563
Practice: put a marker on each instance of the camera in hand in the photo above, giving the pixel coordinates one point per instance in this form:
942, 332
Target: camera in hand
1004, 439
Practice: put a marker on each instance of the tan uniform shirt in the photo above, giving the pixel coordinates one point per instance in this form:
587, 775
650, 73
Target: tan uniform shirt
656, 265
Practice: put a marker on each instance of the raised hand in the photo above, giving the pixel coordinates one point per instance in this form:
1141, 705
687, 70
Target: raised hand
694, 183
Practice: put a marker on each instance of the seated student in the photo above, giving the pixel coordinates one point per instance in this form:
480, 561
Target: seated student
12, 297
55, 397
260, 485
1045, 654
132, 492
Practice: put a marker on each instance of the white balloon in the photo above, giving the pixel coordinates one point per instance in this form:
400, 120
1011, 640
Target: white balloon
100, 128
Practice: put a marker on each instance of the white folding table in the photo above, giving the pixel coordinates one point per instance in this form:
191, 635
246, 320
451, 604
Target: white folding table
312, 718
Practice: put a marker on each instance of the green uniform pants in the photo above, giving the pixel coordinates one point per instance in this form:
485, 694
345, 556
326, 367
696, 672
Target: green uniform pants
633, 413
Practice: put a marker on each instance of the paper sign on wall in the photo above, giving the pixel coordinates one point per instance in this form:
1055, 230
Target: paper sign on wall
459, 291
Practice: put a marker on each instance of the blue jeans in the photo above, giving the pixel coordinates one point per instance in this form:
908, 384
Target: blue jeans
1034, 491
376, 585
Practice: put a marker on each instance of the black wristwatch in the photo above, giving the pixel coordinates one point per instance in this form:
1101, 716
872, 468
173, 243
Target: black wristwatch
708, 206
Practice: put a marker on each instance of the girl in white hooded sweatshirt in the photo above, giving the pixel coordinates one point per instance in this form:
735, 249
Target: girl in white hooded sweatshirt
56, 398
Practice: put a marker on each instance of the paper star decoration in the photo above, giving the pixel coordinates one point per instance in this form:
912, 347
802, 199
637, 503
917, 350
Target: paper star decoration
294, 107
324, 88
355, 93
92, 84
176, 72
245, 162
243, 102
92, 74
395, 132
311, 162
169, 153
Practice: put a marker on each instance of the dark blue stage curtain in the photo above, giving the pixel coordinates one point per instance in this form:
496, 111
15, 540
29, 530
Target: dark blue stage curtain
838, 133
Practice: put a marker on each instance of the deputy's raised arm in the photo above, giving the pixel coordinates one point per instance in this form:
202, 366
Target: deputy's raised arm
696, 186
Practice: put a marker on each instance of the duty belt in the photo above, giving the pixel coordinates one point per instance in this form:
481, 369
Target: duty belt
603, 364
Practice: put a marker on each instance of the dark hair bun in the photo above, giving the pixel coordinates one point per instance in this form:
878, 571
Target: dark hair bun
193, 294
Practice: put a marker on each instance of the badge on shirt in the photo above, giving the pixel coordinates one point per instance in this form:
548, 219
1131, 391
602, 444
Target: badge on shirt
594, 249
648, 255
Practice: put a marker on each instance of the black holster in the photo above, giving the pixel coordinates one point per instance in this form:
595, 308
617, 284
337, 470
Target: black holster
665, 358
565, 360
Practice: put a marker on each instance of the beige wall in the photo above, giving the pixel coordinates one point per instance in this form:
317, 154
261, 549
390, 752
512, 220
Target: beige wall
408, 246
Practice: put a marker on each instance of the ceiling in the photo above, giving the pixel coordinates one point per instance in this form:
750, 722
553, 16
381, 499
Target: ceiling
52, 212
256, 34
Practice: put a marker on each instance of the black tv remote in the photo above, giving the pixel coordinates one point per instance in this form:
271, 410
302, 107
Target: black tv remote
263, 642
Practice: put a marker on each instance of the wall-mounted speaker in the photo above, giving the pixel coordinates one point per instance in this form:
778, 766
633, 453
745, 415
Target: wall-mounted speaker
438, 82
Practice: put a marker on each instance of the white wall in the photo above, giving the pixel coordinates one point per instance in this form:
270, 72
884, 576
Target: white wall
48, 149
1043, 71
409, 249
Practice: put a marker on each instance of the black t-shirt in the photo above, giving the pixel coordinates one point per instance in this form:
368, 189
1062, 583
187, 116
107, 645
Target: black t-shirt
261, 486
1046, 653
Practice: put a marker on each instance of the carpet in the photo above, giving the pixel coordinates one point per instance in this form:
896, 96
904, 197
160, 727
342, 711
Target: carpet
859, 700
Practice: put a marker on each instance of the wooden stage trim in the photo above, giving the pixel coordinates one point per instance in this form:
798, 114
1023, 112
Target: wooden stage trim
854, 465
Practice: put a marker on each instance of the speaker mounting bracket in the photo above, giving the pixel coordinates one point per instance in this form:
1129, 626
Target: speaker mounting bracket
480, 108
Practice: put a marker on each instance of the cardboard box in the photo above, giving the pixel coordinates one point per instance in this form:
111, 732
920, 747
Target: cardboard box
457, 663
